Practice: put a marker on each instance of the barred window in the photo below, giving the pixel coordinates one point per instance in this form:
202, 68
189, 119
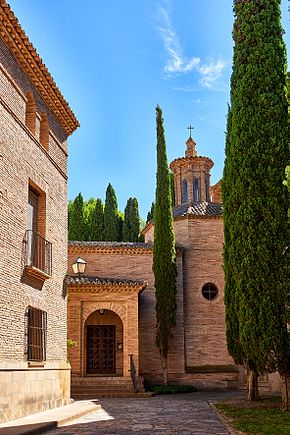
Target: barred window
37, 329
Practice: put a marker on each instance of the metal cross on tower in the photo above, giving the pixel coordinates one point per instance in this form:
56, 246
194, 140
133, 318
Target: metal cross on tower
190, 128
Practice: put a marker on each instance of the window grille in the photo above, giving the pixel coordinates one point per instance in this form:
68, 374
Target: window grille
37, 331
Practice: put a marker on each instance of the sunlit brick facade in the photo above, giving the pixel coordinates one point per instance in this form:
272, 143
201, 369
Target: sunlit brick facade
35, 122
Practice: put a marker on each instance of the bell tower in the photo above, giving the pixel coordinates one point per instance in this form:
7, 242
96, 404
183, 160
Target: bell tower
191, 175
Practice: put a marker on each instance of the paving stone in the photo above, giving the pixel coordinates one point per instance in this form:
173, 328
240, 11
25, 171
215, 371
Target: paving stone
179, 414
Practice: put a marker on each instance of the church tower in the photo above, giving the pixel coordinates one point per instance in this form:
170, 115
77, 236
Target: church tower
191, 176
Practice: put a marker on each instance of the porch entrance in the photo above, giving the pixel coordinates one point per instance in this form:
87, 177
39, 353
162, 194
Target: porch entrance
101, 345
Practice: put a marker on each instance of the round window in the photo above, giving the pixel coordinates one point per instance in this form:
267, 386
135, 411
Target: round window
209, 291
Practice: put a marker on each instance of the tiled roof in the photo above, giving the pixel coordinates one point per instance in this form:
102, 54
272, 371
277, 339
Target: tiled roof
207, 209
15, 38
112, 245
71, 279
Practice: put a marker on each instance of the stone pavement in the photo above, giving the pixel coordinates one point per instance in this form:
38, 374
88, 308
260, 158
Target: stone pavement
179, 414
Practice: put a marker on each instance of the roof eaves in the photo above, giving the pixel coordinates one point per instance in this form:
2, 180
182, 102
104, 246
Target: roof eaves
14, 36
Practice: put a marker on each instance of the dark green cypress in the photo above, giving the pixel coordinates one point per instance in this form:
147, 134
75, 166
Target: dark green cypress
120, 226
131, 226
164, 255
97, 222
254, 198
89, 207
111, 220
150, 213
172, 188
126, 225
76, 219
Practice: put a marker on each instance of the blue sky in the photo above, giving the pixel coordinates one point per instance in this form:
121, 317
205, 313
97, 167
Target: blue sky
114, 61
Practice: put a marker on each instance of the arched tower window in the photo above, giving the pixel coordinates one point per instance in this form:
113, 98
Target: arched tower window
196, 190
206, 185
185, 191
30, 114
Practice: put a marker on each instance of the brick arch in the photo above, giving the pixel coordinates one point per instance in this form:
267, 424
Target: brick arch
112, 306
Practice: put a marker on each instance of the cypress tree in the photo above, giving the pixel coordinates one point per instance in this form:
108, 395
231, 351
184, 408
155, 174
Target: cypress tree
89, 207
120, 226
76, 219
172, 188
126, 226
131, 226
150, 213
97, 223
164, 255
254, 198
111, 220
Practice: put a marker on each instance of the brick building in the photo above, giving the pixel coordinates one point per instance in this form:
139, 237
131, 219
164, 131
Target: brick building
111, 308
35, 122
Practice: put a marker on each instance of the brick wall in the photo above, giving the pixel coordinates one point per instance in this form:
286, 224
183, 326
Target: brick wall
23, 160
205, 338
137, 266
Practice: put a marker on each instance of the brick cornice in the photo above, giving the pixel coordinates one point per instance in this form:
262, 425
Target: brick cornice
190, 161
78, 247
192, 216
105, 288
18, 43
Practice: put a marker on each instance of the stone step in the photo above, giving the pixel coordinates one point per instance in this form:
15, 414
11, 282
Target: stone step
89, 388
97, 382
116, 394
101, 381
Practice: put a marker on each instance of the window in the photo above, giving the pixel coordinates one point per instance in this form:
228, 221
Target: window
209, 291
196, 190
185, 192
38, 251
206, 184
36, 334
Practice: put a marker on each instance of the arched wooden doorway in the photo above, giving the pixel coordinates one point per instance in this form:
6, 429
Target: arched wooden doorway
104, 343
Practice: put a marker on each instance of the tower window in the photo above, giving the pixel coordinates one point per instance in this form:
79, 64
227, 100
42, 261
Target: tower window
196, 190
206, 184
209, 291
185, 191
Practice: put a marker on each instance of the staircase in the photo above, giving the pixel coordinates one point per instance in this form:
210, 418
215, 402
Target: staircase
94, 387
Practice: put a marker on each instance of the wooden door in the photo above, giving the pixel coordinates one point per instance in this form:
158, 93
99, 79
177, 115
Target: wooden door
101, 347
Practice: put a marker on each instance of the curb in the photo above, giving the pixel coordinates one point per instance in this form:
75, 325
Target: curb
225, 420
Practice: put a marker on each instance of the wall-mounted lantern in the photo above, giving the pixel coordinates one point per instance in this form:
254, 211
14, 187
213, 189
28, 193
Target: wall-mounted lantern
79, 266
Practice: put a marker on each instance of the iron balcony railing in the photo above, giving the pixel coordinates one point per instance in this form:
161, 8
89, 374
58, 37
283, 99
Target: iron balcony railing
38, 252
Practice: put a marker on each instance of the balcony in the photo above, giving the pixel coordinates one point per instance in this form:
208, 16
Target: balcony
37, 255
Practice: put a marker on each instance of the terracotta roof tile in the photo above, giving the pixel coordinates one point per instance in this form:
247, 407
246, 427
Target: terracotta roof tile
71, 279
15, 38
206, 209
119, 245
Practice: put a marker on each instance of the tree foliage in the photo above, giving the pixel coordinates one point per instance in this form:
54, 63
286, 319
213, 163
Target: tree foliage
150, 214
111, 219
254, 198
76, 229
97, 221
131, 226
88, 212
164, 255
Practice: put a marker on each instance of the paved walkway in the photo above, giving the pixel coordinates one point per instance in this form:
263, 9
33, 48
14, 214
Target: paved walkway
179, 414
